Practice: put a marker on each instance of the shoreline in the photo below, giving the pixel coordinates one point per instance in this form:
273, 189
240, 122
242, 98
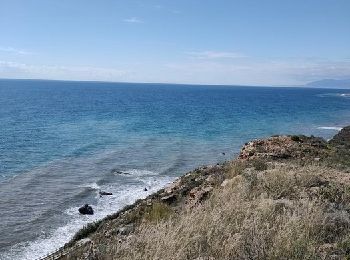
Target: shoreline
50, 252
63, 233
196, 186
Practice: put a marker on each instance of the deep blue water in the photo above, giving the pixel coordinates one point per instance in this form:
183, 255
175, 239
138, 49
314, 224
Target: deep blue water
59, 142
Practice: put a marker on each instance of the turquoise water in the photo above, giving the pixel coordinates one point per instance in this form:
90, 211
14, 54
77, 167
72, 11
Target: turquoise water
61, 142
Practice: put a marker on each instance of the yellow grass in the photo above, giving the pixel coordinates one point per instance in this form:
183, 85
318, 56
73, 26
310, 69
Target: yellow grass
281, 213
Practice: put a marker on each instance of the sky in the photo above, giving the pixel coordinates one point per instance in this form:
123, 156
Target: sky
235, 42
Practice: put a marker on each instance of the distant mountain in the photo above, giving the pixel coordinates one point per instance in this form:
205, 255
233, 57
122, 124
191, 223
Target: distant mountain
330, 83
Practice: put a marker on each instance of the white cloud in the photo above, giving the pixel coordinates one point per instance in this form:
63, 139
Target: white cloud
258, 72
15, 51
10, 69
247, 71
133, 20
215, 55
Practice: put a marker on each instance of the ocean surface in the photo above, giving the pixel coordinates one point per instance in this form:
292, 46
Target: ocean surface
61, 142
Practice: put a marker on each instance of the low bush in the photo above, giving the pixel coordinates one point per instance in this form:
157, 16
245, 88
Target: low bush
295, 138
86, 231
157, 212
259, 165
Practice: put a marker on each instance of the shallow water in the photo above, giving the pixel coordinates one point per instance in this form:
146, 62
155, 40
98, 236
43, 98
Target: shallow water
60, 142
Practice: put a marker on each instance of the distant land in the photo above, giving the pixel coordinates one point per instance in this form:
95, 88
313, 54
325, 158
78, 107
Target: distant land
330, 83
324, 83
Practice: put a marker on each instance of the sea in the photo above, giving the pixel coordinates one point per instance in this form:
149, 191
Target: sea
62, 142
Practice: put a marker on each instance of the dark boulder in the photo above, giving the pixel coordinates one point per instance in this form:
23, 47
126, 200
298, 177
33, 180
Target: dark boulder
105, 193
145, 189
86, 210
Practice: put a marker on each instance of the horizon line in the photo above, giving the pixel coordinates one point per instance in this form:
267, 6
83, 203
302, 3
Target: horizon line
155, 83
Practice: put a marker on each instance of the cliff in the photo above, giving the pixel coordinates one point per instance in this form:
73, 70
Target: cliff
285, 197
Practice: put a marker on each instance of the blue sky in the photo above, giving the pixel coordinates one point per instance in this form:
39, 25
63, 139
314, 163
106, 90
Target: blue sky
261, 42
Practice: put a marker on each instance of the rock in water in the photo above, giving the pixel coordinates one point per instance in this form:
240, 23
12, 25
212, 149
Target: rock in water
145, 189
86, 210
115, 171
105, 193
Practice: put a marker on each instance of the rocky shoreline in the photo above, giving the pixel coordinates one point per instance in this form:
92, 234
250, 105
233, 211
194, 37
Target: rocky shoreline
191, 190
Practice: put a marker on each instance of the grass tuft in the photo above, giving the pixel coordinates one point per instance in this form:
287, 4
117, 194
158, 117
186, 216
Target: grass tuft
157, 212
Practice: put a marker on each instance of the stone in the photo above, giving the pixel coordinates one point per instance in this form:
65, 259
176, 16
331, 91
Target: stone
86, 210
169, 199
125, 230
198, 194
102, 193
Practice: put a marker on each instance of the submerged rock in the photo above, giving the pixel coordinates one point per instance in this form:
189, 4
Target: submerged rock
115, 171
86, 210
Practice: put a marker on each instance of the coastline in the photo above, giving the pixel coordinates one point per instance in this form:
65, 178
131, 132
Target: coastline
193, 188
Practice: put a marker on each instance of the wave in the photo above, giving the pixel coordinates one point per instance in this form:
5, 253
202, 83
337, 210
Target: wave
342, 95
336, 128
93, 186
123, 194
133, 172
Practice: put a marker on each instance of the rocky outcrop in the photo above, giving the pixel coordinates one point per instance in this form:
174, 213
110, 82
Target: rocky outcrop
342, 139
285, 147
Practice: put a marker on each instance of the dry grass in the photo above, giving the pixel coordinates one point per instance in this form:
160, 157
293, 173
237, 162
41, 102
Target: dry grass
283, 213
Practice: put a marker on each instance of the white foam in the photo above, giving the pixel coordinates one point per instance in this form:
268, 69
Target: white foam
122, 196
135, 172
342, 95
336, 128
93, 186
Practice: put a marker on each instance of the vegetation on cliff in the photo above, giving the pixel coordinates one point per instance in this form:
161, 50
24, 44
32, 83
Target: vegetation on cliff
284, 197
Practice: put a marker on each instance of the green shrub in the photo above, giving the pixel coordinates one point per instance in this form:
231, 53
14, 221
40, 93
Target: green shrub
234, 168
295, 138
86, 231
158, 211
259, 165
345, 247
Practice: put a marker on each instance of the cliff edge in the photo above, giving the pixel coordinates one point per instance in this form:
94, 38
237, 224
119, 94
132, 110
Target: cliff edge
284, 197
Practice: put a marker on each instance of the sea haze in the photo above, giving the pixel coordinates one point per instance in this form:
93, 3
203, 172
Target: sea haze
62, 142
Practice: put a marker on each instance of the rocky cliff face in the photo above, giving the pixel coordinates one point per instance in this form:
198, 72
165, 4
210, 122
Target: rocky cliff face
335, 152
342, 139
285, 147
